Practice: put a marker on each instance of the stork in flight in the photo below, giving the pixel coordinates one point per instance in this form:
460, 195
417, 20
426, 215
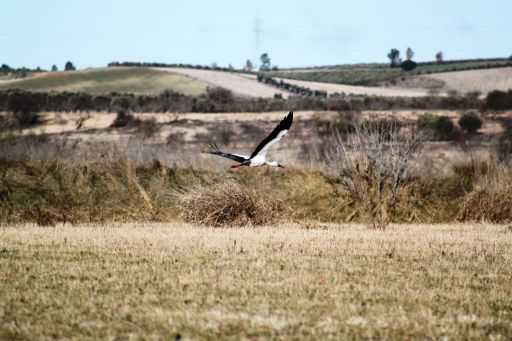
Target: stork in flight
259, 155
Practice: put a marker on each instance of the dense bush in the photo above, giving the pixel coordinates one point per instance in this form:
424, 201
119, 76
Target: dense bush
470, 122
408, 65
441, 126
499, 100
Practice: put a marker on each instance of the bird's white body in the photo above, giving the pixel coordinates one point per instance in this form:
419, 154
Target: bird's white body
258, 160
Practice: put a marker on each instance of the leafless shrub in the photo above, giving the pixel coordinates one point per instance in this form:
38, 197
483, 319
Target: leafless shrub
373, 164
226, 203
146, 128
175, 138
122, 119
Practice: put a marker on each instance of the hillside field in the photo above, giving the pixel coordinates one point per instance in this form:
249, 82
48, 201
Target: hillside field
141, 81
376, 74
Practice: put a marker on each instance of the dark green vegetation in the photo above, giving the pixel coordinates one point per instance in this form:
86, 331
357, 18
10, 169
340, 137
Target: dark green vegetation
7, 72
441, 126
374, 74
499, 100
470, 122
141, 81
217, 100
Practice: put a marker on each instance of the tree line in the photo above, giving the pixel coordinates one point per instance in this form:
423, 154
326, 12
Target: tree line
296, 89
24, 71
222, 100
214, 66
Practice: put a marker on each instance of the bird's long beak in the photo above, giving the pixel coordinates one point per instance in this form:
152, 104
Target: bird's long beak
236, 166
280, 165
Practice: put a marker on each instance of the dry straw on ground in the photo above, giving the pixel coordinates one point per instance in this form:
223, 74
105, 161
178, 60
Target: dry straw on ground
171, 281
227, 202
491, 200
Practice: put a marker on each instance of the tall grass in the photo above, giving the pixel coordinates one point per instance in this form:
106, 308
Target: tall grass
54, 191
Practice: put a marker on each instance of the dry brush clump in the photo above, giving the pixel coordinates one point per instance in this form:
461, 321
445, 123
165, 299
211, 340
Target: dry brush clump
373, 164
226, 202
491, 199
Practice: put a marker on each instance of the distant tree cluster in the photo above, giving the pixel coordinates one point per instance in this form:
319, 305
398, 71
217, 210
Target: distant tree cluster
408, 64
18, 72
396, 61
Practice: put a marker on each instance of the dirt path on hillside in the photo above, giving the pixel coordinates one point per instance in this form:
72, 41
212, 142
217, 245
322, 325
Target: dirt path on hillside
240, 84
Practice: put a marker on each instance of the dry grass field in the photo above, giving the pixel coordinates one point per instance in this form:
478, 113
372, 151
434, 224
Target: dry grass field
175, 281
482, 81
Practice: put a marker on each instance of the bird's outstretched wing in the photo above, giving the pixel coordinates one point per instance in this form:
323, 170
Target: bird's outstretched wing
274, 137
213, 149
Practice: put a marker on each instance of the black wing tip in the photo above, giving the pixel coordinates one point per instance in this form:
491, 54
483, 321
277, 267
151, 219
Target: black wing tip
288, 120
212, 148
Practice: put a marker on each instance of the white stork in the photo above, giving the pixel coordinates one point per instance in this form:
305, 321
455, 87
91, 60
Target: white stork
259, 155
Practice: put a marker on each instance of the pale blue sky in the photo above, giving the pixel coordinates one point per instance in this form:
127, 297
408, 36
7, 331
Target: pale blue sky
294, 33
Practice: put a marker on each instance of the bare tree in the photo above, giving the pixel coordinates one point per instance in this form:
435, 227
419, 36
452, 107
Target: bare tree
265, 62
373, 164
409, 53
394, 57
248, 65
439, 57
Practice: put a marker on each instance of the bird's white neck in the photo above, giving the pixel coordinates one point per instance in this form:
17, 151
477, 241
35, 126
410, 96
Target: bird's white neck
272, 163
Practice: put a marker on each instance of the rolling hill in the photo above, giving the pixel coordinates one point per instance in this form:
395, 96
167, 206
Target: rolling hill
142, 81
192, 81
